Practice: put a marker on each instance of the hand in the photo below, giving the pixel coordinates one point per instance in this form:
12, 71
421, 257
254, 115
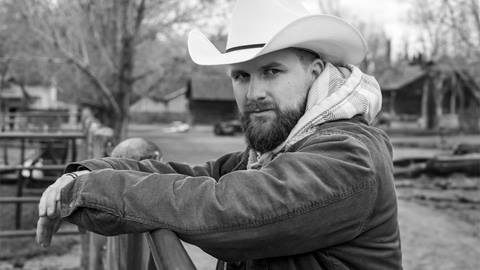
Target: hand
49, 209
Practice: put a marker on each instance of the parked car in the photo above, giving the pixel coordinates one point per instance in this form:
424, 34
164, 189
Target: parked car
230, 127
177, 127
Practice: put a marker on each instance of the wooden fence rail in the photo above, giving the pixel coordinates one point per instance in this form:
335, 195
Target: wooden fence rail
41, 135
31, 168
19, 200
31, 233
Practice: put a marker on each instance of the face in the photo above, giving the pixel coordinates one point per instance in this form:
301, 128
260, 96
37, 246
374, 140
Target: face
271, 92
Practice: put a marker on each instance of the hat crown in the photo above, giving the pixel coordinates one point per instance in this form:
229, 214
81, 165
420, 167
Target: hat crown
255, 22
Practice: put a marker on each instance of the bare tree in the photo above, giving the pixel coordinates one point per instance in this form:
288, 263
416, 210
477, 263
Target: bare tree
451, 28
452, 40
100, 39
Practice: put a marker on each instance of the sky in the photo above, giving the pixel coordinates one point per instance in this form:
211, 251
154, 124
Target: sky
391, 15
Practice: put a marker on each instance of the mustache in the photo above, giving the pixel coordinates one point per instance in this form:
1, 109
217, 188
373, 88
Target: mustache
258, 106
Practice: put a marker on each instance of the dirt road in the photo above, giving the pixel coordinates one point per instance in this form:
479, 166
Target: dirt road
433, 240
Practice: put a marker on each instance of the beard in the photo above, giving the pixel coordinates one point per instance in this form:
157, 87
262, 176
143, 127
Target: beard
263, 134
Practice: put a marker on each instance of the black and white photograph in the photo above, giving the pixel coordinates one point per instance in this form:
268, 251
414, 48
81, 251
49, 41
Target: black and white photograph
239, 134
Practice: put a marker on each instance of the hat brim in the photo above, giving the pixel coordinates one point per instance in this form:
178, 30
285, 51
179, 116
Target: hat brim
327, 35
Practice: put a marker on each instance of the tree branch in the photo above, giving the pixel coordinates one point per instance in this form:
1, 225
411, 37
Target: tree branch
467, 79
97, 43
155, 84
139, 18
84, 68
23, 57
460, 30
143, 75
475, 8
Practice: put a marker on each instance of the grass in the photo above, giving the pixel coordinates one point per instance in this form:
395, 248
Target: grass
24, 248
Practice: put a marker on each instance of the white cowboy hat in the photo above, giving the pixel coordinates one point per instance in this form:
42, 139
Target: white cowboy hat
259, 27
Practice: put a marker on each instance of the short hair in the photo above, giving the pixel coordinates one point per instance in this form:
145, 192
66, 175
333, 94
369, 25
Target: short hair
138, 149
306, 57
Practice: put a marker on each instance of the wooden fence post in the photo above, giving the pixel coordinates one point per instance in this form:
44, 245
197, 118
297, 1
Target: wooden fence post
97, 137
168, 252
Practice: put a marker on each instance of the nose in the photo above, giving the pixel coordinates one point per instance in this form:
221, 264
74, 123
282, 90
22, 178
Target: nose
256, 90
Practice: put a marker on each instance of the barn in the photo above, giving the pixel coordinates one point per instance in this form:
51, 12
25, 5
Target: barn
211, 99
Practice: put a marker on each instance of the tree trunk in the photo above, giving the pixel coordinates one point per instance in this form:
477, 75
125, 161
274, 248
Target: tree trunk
425, 92
453, 104
120, 126
125, 74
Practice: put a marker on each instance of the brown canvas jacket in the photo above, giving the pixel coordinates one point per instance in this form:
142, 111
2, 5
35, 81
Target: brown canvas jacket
328, 202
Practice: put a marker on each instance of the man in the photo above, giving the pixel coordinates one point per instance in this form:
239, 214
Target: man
138, 149
314, 189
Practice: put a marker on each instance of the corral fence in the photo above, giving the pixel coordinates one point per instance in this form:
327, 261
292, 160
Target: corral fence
40, 120
31, 173
37, 160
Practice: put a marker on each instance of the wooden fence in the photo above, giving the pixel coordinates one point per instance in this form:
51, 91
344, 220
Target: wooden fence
167, 252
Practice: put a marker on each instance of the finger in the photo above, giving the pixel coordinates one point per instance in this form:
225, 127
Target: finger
51, 202
61, 183
58, 194
40, 230
45, 228
42, 205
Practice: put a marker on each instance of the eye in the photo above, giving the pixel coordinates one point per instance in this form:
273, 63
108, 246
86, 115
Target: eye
240, 76
271, 72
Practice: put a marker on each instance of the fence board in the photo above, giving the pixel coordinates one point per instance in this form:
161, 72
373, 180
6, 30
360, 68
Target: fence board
24, 233
45, 135
19, 200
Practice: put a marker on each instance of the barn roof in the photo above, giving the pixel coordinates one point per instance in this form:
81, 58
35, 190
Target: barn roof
398, 78
174, 94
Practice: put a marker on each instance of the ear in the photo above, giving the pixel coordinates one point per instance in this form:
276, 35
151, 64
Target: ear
317, 67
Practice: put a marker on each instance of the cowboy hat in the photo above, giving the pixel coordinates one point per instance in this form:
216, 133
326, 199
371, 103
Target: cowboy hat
259, 27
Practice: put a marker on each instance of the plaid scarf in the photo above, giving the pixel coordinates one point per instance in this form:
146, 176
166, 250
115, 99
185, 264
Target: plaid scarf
333, 96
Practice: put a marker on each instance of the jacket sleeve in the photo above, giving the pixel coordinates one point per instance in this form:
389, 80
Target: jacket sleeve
319, 196
211, 168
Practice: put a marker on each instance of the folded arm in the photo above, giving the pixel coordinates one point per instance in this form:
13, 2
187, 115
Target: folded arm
316, 197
